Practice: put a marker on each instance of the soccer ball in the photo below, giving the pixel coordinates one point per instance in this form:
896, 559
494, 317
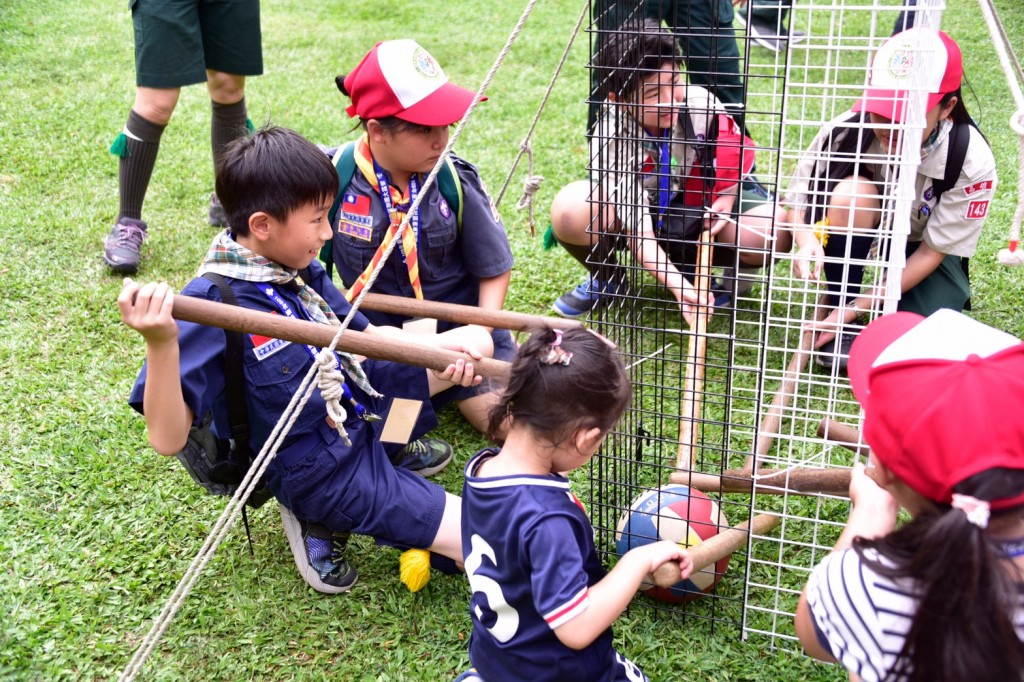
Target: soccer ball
679, 514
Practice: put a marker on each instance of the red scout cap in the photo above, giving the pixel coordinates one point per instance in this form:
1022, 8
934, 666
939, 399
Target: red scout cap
897, 69
399, 78
943, 399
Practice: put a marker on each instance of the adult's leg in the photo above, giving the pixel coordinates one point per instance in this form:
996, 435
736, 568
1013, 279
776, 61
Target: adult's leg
229, 113
708, 41
146, 122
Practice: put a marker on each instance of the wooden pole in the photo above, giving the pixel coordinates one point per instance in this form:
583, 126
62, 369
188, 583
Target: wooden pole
716, 548
787, 389
463, 314
845, 434
803, 481
696, 352
375, 346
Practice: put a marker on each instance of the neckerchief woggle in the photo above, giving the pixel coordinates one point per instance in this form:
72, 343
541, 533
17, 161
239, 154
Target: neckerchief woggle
275, 297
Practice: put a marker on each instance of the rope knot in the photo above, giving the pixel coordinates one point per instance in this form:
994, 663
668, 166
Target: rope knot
331, 381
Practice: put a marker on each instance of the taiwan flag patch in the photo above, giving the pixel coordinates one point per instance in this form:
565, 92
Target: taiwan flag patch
356, 204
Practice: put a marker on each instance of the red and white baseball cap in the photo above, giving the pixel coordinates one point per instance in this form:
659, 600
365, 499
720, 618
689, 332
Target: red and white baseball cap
943, 399
899, 65
399, 78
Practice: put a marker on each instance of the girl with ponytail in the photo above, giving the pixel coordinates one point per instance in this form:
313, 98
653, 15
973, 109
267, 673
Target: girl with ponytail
942, 597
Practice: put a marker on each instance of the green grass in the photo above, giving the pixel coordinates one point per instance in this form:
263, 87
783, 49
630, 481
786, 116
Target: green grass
95, 529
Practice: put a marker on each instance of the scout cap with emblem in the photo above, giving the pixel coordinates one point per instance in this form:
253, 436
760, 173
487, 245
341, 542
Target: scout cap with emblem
914, 60
400, 78
943, 397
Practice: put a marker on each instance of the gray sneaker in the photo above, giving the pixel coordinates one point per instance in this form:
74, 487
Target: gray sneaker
216, 215
123, 246
318, 554
426, 456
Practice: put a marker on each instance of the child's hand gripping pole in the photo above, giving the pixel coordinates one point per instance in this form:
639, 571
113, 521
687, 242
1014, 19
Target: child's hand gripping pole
716, 548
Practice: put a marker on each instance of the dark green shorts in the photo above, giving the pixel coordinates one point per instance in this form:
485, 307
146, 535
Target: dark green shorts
946, 287
176, 41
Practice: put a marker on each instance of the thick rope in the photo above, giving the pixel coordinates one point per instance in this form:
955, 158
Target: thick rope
1014, 77
291, 412
532, 180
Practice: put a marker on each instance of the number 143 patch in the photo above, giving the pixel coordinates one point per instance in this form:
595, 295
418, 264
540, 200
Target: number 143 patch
976, 210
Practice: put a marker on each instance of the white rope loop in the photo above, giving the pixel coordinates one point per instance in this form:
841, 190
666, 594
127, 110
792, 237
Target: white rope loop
1011, 255
331, 382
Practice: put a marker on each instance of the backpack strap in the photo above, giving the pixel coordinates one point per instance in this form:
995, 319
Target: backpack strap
448, 183
704, 149
234, 379
232, 469
959, 141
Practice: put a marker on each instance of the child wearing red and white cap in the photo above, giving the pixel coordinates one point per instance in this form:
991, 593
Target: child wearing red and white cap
836, 203
942, 597
450, 253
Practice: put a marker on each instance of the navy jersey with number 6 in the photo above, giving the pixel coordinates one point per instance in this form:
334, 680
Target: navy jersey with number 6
530, 557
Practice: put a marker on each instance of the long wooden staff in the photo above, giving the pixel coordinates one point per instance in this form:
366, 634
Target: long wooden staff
787, 389
375, 346
463, 314
801, 481
696, 352
716, 548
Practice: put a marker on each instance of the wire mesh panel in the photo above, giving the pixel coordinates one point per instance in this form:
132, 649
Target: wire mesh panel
744, 403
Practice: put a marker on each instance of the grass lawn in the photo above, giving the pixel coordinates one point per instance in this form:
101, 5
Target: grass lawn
95, 529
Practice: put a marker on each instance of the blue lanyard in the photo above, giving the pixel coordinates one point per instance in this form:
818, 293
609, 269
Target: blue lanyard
384, 189
275, 297
664, 178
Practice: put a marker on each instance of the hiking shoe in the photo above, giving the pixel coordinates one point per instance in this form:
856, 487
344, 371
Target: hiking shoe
828, 356
590, 295
123, 246
216, 215
426, 456
318, 554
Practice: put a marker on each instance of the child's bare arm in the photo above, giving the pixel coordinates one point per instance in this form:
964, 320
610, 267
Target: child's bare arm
147, 310
493, 290
610, 597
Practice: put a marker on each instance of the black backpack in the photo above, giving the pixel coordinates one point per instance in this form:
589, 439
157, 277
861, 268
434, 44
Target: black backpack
220, 464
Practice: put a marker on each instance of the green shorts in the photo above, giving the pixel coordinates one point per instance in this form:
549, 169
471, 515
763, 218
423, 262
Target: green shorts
176, 41
946, 287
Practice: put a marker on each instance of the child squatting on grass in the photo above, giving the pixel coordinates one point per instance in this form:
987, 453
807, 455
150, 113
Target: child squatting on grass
941, 598
276, 188
542, 604
668, 162
457, 250
837, 202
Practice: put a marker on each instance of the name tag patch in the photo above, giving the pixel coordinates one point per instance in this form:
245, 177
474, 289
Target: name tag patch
264, 346
357, 230
978, 187
977, 210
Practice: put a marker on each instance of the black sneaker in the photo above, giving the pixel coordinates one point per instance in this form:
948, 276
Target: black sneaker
828, 357
426, 456
122, 248
318, 554
216, 215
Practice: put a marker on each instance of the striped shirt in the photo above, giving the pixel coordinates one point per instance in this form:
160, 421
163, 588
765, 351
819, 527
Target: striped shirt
862, 617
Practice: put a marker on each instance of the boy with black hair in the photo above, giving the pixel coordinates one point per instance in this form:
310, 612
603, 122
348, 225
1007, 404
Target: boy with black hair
276, 188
